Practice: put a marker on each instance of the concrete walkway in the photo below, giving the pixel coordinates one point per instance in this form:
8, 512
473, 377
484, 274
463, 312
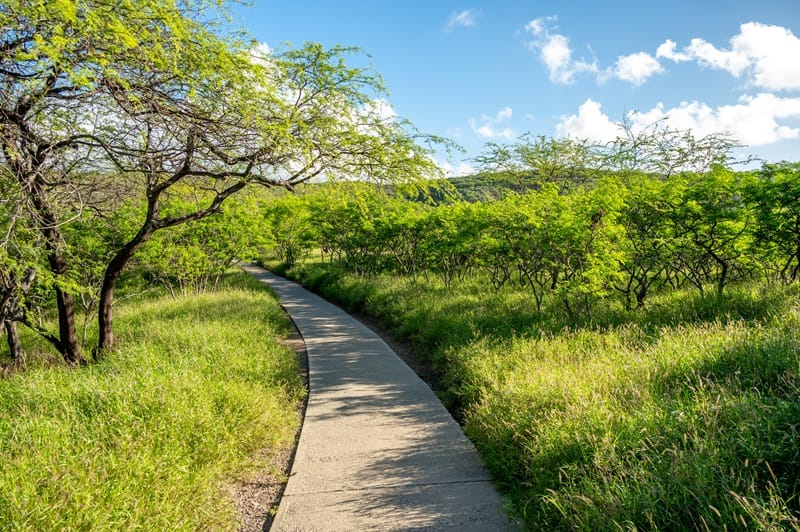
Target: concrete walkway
377, 450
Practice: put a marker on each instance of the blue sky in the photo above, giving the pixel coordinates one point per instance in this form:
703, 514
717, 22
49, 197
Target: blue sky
480, 71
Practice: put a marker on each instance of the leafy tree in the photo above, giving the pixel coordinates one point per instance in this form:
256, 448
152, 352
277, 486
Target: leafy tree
586, 246
566, 162
662, 151
145, 98
518, 239
400, 229
775, 198
450, 245
647, 236
343, 215
710, 222
290, 227
195, 256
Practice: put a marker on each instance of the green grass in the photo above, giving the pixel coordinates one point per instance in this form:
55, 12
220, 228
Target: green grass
685, 415
153, 436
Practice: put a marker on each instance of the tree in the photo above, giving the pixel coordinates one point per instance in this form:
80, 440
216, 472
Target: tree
450, 245
710, 222
646, 224
775, 198
145, 99
290, 227
662, 151
566, 162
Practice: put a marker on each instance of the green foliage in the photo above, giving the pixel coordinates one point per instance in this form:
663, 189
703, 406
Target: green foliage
193, 257
152, 104
491, 185
711, 223
630, 237
680, 415
776, 201
151, 438
565, 162
670, 407
289, 228
646, 246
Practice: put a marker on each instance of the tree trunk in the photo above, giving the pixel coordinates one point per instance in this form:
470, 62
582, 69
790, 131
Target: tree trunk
54, 241
105, 316
67, 331
14, 344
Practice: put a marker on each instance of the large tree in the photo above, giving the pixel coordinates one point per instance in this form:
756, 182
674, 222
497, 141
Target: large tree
145, 99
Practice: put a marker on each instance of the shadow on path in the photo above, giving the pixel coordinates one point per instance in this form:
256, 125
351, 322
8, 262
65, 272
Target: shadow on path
377, 449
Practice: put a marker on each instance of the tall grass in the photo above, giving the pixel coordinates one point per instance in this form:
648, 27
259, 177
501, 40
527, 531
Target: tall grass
685, 415
151, 437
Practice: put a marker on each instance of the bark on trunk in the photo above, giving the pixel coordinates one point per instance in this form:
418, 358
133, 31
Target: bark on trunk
67, 331
54, 241
105, 315
14, 344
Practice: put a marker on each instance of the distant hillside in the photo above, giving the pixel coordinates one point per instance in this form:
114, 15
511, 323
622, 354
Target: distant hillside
487, 186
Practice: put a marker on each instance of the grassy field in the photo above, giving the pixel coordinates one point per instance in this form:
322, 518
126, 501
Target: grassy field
153, 436
684, 415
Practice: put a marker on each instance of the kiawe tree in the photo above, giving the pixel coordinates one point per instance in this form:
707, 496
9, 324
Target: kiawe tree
566, 162
148, 100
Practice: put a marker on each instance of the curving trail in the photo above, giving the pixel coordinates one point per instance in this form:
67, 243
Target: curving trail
377, 450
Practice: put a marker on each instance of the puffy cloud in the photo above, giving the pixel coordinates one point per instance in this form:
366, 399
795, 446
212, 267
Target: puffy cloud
637, 68
708, 55
768, 54
463, 19
667, 51
504, 114
589, 123
493, 127
381, 108
455, 170
555, 52
538, 26
369, 117
753, 120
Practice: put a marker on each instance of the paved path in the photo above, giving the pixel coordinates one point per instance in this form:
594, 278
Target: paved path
377, 449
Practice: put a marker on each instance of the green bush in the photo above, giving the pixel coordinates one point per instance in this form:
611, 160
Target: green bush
681, 415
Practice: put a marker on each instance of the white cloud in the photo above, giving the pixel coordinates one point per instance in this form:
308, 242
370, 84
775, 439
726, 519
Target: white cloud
493, 127
369, 117
504, 114
589, 123
382, 109
262, 54
753, 120
637, 68
667, 51
555, 52
462, 19
538, 26
707, 54
454, 170
768, 54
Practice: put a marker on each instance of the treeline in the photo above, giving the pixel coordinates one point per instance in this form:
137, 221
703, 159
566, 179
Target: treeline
620, 236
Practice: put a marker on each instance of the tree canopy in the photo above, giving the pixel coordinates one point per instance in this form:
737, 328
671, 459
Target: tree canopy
151, 102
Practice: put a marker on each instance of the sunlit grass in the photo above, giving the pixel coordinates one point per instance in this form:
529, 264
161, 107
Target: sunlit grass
684, 415
151, 437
